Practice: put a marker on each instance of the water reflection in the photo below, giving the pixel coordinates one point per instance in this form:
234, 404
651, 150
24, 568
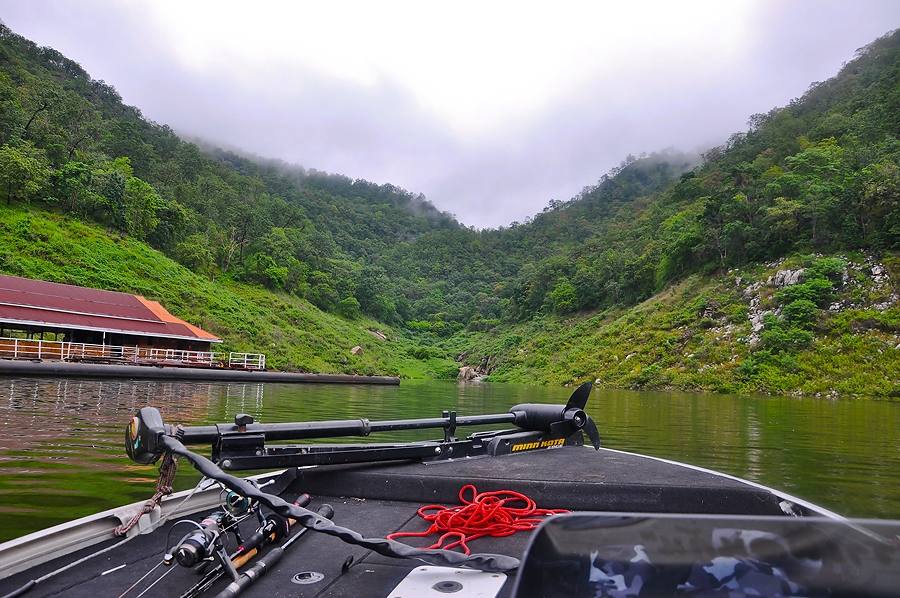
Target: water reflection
61, 454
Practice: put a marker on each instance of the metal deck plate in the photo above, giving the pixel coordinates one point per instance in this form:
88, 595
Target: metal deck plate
448, 582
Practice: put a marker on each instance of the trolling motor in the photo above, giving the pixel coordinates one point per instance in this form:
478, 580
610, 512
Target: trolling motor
242, 445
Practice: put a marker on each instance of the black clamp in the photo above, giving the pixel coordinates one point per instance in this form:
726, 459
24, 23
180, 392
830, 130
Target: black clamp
450, 429
242, 420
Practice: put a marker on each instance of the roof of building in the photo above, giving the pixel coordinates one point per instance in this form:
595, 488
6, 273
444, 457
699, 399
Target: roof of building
53, 305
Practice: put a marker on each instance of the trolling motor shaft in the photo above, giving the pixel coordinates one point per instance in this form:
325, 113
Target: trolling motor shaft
245, 439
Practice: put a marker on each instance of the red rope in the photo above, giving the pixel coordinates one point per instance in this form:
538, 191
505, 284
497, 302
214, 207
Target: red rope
499, 513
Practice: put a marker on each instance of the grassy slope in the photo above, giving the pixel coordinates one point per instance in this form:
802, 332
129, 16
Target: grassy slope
293, 333
692, 336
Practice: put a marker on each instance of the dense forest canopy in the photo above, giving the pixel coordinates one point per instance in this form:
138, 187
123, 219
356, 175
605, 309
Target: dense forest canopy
822, 173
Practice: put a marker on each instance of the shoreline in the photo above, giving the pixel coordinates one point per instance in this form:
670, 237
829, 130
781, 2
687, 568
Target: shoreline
92, 370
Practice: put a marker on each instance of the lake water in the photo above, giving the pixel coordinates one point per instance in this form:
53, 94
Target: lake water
61, 452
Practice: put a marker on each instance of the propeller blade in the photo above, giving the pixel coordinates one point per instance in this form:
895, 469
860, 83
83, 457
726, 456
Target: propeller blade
591, 428
580, 397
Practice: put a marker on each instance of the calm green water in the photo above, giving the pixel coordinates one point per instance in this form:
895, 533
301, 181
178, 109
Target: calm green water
61, 452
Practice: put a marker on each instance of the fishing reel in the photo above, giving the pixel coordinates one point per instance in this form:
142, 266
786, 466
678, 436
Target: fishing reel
235, 504
204, 543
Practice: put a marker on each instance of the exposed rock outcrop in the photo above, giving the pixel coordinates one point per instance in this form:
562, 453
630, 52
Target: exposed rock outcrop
468, 374
756, 314
869, 276
477, 373
785, 278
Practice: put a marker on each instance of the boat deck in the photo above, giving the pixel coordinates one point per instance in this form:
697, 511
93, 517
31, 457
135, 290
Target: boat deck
379, 499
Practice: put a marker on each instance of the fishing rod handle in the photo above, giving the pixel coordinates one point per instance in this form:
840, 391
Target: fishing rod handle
250, 548
267, 562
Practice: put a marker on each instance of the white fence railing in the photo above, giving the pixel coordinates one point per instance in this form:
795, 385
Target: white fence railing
17, 348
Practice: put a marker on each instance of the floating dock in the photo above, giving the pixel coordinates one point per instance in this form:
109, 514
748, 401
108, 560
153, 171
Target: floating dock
93, 370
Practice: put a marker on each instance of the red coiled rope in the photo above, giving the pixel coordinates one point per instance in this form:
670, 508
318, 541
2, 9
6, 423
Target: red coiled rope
485, 514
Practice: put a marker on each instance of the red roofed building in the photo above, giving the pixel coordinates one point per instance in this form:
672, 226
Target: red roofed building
61, 312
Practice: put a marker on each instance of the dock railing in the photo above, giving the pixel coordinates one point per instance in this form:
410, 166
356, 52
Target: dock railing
17, 348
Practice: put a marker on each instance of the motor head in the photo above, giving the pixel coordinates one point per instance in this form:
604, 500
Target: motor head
143, 436
559, 419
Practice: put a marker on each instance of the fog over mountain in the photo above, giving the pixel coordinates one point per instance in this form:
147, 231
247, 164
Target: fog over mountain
490, 111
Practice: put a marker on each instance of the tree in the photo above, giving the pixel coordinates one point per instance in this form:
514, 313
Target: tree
39, 101
194, 253
108, 185
349, 308
10, 109
72, 183
879, 206
563, 298
22, 173
321, 291
374, 293
263, 269
141, 207
782, 218
681, 234
822, 177
85, 125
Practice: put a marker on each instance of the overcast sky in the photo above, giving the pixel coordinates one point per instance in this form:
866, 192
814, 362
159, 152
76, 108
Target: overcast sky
490, 109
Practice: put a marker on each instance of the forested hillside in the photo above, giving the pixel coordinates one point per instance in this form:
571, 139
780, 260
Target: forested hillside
293, 334
71, 145
820, 176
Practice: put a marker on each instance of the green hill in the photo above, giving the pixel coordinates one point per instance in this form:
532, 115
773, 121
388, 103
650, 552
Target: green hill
632, 280
699, 334
293, 334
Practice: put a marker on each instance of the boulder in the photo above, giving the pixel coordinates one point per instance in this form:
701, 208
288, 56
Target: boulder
357, 350
468, 374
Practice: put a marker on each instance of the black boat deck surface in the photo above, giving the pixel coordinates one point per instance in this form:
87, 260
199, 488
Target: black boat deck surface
379, 499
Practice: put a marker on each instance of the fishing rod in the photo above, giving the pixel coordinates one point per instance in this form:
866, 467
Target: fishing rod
195, 548
242, 445
272, 530
204, 545
268, 561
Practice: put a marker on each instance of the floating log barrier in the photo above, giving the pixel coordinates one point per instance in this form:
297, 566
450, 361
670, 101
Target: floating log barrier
93, 370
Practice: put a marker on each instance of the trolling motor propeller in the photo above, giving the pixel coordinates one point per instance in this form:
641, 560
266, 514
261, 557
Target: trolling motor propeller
559, 420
